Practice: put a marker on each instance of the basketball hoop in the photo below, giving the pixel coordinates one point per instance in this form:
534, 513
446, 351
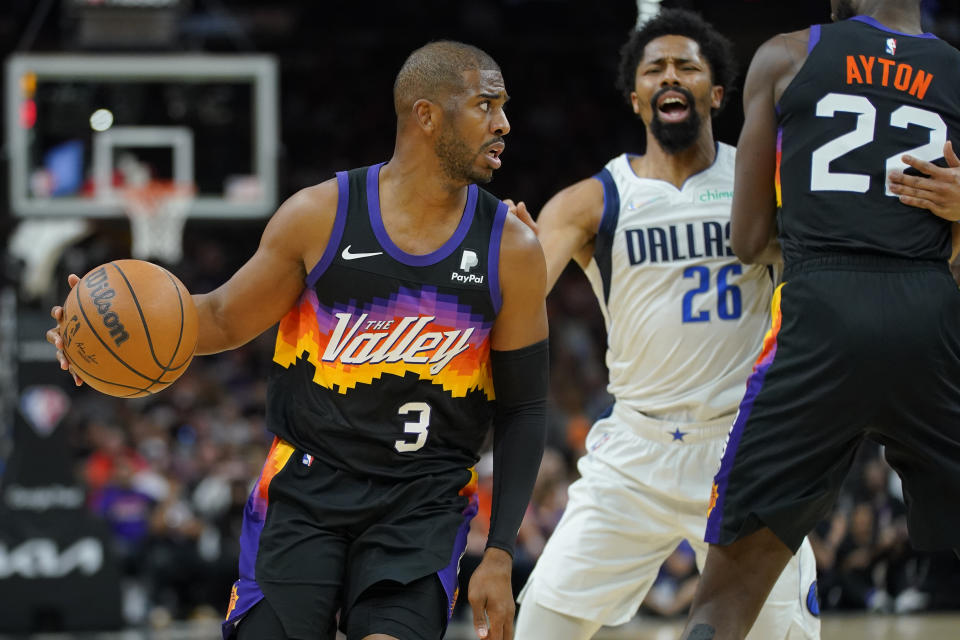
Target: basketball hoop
157, 212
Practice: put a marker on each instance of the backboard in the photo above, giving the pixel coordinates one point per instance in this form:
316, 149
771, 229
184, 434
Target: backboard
80, 127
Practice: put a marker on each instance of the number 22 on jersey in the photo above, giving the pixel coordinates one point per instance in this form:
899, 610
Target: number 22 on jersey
822, 179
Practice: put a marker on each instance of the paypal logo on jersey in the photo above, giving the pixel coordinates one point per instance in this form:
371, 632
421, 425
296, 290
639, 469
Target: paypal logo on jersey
467, 261
678, 242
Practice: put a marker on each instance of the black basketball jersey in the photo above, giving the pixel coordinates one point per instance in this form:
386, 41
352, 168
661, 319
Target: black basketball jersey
865, 96
383, 366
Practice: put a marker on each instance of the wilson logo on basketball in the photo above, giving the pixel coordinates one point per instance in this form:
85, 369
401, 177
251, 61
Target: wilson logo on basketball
376, 341
101, 294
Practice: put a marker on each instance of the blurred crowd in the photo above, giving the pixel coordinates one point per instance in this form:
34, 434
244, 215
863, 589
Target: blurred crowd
170, 474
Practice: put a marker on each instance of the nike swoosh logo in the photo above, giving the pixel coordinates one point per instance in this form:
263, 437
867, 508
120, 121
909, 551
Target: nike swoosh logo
346, 255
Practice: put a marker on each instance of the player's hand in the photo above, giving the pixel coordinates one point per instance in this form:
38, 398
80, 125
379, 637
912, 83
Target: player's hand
490, 593
519, 209
940, 193
55, 338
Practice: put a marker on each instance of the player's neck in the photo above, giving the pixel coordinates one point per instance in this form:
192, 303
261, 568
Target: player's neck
418, 185
894, 15
675, 168
419, 208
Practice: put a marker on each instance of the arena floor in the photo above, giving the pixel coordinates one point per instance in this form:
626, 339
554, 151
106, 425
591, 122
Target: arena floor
835, 627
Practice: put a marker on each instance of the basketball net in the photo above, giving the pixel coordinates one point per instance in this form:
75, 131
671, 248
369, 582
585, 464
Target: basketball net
157, 212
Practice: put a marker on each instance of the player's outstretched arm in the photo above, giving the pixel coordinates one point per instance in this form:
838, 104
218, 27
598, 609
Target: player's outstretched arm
268, 284
566, 226
939, 192
753, 215
519, 363
258, 295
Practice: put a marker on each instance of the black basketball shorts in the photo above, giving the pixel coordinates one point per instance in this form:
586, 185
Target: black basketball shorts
317, 540
859, 347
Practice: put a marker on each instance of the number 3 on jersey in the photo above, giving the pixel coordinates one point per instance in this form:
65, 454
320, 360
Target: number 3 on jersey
420, 426
822, 179
728, 295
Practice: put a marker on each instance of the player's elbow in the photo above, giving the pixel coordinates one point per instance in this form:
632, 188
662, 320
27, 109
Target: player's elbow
747, 250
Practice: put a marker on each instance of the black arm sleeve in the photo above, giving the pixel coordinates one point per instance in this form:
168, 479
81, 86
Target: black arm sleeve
519, 431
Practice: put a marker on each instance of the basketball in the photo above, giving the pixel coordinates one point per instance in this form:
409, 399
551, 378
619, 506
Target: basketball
129, 328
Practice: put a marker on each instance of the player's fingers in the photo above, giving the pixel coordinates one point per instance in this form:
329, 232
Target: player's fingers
480, 625
72, 280
916, 187
508, 626
56, 313
53, 337
920, 203
500, 614
950, 155
521, 212
510, 203
915, 182
923, 166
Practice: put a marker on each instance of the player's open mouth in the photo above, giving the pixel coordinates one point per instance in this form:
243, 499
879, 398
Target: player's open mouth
673, 107
493, 154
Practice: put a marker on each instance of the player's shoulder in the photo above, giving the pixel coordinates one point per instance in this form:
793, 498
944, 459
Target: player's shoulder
618, 166
318, 196
519, 239
783, 51
726, 152
309, 211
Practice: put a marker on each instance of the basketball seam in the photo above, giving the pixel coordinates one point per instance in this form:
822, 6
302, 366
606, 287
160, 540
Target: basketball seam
183, 321
143, 320
87, 376
116, 356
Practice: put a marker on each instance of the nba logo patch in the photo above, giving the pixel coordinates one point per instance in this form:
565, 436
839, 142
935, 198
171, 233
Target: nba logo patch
892, 46
306, 460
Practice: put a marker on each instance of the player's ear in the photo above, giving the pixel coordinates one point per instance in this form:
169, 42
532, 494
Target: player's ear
716, 97
635, 101
427, 114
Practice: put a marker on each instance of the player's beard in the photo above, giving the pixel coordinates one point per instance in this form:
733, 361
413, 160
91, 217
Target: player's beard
457, 161
675, 137
844, 11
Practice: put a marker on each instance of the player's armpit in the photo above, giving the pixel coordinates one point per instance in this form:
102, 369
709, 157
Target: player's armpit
268, 284
568, 224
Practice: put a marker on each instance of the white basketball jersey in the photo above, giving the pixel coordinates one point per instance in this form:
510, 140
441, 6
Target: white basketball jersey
685, 319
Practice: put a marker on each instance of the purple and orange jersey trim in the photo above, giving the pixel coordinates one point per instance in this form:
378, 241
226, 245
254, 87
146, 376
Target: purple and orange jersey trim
754, 385
776, 180
449, 574
415, 330
245, 592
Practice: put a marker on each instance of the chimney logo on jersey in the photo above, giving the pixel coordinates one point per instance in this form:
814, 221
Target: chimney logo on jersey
892, 46
467, 261
417, 331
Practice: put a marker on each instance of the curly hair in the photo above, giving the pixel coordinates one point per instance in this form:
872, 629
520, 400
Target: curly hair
714, 47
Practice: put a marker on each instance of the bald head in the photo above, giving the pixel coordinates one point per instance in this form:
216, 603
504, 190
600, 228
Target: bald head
435, 72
